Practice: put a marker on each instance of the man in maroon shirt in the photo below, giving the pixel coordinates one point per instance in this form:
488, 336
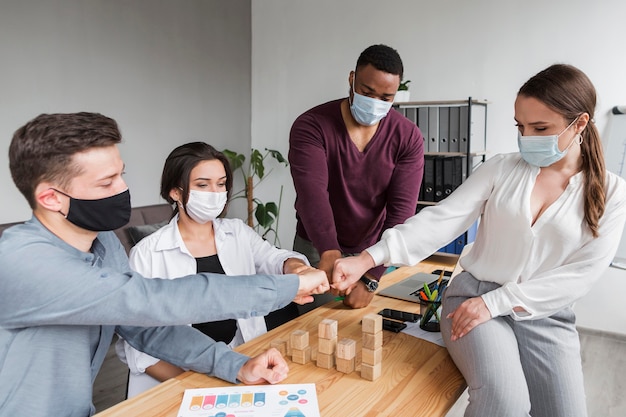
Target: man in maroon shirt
356, 167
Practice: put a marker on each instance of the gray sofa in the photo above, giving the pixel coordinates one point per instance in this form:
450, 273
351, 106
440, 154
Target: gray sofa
143, 221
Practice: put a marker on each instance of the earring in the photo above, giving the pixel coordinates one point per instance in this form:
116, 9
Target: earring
579, 139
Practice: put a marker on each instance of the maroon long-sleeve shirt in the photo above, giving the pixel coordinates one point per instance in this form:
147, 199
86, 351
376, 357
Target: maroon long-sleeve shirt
347, 198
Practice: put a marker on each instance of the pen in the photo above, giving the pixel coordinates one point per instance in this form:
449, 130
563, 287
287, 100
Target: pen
440, 278
427, 291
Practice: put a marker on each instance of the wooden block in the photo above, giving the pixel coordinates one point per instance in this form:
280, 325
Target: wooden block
346, 348
372, 323
372, 340
325, 361
280, 345
299, 339
327, 346
372, 356
371, 372
301, 356
345, 365
327, 329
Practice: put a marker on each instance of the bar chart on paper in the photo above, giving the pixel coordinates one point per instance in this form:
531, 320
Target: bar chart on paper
287, 400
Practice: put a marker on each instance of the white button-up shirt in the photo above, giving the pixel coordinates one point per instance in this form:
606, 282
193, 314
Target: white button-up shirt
163, 254
542, 267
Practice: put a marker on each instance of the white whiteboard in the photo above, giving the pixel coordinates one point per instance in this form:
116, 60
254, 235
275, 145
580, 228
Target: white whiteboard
615, 156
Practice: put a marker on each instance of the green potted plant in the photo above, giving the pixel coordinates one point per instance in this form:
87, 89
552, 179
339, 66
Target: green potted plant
403, 93
266, 214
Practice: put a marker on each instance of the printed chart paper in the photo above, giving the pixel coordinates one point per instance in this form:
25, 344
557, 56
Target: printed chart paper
295, 400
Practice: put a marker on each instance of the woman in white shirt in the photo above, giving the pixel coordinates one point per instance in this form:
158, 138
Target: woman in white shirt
551, 218
197, 179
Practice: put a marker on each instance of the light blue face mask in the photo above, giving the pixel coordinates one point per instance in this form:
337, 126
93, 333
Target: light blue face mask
543, 151
368, 111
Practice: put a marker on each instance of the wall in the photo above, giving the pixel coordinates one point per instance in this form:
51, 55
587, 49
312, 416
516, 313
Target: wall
303, 51
168, 71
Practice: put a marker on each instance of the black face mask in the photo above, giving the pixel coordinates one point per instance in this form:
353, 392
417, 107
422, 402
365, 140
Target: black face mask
99, 215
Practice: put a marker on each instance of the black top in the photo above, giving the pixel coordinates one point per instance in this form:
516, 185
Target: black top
221, 330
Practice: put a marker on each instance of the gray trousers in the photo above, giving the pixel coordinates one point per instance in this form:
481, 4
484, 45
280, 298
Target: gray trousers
516, 368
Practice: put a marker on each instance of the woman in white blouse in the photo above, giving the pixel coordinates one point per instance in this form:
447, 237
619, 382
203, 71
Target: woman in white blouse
551, 218
197, 179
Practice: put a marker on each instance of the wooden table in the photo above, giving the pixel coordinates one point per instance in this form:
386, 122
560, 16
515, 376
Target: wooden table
418, 377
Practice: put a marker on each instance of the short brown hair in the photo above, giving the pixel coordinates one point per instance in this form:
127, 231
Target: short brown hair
43, 148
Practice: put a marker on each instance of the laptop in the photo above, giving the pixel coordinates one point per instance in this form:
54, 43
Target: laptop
408, 289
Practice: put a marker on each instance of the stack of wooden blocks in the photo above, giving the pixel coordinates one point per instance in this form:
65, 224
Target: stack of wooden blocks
300, 349
327, 331
372, 353
346, 355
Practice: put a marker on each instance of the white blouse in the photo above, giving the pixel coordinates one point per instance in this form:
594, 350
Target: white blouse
542, 267
163, 254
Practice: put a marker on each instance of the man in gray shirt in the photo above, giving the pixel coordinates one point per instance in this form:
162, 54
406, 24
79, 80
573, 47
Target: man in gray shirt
66, 287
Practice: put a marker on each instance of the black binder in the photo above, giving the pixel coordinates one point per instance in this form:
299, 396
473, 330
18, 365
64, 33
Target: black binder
448, 164
429, 178
439, 190
460, 171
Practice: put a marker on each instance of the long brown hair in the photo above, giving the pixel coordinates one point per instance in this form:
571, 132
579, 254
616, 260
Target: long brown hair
568, 91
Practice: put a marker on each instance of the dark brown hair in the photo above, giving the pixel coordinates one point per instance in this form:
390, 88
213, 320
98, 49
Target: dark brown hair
179, 164
43, 148
568, 91
383, 58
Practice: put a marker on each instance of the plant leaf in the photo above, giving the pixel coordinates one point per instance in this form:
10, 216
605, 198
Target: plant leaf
277, 156
263, 216
272, 208
256, 163
235, 159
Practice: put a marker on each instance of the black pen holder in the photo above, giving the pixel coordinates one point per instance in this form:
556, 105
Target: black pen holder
431, 315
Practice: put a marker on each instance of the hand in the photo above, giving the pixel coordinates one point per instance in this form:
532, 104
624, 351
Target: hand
269, 366
468, 315
347, 271
294, 266
327, 262
312, 281
358, 297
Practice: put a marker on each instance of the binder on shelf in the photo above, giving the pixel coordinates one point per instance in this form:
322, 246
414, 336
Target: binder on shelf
411, 114
471, 232
422, 123
454, 129
460, 242
459, 171
433, 129
444, 126
400, 110
464, 129
448, 177
429, 178
477, 128
439, 191
468, 237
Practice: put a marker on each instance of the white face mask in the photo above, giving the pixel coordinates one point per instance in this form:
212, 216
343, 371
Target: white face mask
543, 151
205, 206
368, 111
